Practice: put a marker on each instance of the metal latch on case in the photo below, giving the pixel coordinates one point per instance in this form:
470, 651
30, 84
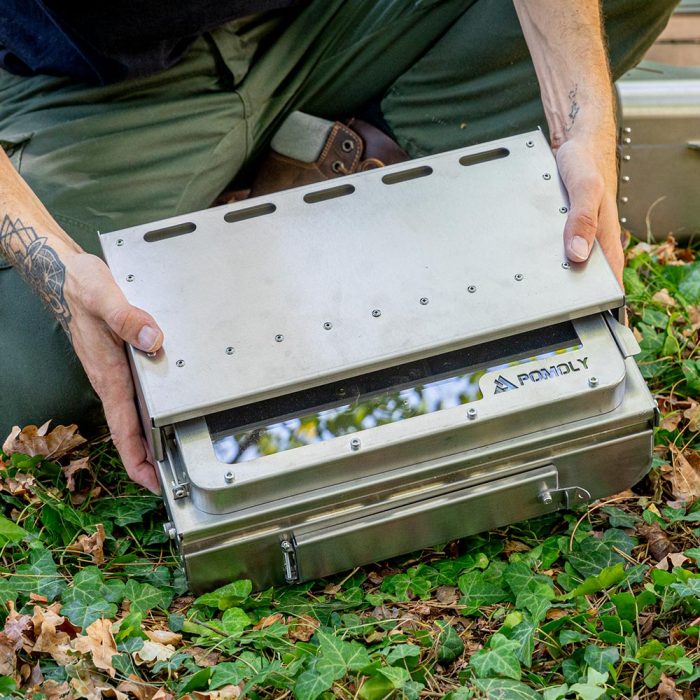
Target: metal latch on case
289, 555
568, 497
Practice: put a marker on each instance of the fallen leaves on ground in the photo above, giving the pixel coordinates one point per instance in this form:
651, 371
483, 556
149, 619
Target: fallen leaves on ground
34, 441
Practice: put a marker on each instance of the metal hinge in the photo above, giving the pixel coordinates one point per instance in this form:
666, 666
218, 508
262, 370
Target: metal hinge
289, 555
570, 496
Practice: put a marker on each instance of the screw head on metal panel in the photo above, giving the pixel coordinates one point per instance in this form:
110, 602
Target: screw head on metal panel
228, 477
230, 350
546, 498
623, 220
546, 176
529, 144
519, 277
120, 241
566, 265
593, 381
627, 140
171, 532
286, 546
279, 338
563, 210
376, 313
180, 363
471, 288
471, 413
625, 178
628, 129
624, 200
179, 492
424, 300
355, 444
627, 157
328, 325
130, 278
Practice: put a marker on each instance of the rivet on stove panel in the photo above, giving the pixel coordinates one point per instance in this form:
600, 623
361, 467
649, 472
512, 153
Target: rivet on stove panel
519, 277
628, 129
130, 278
279, 338
625, 178
529, 144
471, 288
627, 157
376, 313
328, 325
229, 477
593, 382
624, 200
424, 300
230, 350
471, 413
120, 241
546, 176
623, 220
355, 444
180, 363
563, 210
627, 140
566, 265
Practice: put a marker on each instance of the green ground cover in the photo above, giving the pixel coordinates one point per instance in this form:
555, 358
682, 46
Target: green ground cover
599, 602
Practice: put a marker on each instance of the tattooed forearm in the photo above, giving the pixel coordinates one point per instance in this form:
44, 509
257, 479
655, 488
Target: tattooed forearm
38, 263
575, 108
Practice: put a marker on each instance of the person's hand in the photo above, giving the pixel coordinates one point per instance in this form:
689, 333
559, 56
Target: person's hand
590, 178
101, 321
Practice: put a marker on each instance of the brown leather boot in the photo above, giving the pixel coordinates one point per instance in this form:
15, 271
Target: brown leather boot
348, 148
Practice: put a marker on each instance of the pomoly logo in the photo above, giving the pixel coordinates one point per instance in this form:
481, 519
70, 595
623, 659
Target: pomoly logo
559, 370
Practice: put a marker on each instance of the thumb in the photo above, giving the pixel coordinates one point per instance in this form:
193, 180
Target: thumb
134, 326
581, 228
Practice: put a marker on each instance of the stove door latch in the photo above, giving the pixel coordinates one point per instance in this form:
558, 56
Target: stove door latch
567, 497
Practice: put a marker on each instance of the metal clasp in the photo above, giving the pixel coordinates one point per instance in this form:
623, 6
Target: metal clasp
570, 496
289, 555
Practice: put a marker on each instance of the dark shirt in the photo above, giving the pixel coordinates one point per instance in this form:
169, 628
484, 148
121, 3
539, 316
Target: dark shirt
103, 42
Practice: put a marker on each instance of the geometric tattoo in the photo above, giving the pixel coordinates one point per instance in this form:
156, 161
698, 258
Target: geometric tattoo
38, 263
575, 108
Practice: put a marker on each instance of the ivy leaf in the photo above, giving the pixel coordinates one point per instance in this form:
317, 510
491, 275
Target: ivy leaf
234, 621
145, 597
402, 653
40, 575
310, 684
228, 596
10, 532
691, 372
340, 655
499, 659
449, 644
503, 689
477, 591
608, 577
599, 658
592, 556
594, 686
125, 510
690, 588
225, 673
524, 634
89, 598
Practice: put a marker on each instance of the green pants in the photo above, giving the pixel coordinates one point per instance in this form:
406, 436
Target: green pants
446, 73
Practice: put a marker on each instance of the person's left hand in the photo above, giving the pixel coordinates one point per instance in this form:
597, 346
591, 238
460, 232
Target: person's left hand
590, 178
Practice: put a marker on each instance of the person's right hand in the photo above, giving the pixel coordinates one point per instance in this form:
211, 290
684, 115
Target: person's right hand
102, 320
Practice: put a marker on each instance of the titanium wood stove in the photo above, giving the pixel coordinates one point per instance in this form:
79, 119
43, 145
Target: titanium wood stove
357, 369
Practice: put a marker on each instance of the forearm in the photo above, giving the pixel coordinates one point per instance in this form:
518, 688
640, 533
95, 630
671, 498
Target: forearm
32, 241
566, 42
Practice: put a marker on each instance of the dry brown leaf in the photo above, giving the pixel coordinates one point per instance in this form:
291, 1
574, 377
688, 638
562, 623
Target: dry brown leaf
99, 644
302, 628
447, 595
375, 578
205, 657
268, 620
8, 656
672, 560
52, 690
151, 652
91, 544
75, 466
164, 636
692, 415
666, 690
138, 688
163, 694
659, 544
53, 633
664, 298
671, 421
227, 692
332, 588
685, 475
39, 441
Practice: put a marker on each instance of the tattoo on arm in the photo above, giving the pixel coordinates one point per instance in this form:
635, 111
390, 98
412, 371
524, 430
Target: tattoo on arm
38, 263
575, 108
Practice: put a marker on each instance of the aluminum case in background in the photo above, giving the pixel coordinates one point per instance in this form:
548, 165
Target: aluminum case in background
365, 289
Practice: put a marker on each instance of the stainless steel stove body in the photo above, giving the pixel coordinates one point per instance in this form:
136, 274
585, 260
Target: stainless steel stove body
357, 369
